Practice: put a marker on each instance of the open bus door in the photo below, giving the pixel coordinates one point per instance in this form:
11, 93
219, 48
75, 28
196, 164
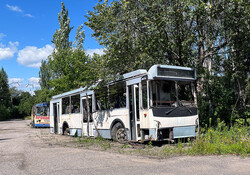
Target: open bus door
134, 111
56, 113
87, 116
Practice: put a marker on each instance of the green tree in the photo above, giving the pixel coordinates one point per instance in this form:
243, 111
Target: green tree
4, 96
67, 67
25, 105
15, 101
138, 34
211, 36
44, 75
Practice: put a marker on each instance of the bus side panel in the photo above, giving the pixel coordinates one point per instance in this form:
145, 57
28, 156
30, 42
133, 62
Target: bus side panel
74, 122
104, 119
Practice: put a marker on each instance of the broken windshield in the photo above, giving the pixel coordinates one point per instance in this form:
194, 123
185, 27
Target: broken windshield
167, 93
185, 93
163, 93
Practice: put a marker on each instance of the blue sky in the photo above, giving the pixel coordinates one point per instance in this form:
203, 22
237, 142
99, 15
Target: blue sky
26, 31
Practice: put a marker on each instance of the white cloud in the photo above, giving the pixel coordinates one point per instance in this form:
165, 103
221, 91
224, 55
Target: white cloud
9, 51
31, 56
2, 35
91, 52
34, 82
29, 15
14, 8
19, 10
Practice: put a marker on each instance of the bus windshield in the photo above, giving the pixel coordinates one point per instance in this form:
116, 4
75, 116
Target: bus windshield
185, 93
167, 93
41, 111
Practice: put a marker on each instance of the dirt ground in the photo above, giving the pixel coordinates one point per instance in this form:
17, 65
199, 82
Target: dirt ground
25, 150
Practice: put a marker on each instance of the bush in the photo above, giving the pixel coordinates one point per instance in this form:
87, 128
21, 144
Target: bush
4, 113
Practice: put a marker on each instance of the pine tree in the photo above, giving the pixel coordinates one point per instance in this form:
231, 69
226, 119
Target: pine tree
4, 96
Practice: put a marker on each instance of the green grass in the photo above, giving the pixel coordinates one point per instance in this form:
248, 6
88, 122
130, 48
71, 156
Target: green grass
97, 142
212, 141
27, 118
222, 140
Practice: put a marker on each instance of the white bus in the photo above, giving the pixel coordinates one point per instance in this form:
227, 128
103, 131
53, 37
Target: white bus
158, 104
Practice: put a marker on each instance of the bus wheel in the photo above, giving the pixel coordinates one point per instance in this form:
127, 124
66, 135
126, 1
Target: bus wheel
66, 130
119, 133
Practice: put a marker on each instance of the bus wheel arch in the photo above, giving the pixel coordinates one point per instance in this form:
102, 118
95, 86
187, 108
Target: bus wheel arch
118, 131
65, 127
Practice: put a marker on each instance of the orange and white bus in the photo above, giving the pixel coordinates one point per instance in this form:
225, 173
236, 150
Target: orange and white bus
40, 115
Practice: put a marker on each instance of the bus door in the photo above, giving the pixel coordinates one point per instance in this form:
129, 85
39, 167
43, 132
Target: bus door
87, 116
134, 112
56, 113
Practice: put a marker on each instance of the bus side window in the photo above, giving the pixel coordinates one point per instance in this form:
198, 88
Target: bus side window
102, 99
65, 105
117, 95
75, 103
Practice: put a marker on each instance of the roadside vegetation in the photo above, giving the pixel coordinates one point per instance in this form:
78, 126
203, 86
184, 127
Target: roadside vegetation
222, 140
219, 140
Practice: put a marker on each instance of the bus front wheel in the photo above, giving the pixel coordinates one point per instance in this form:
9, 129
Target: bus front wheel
119, 133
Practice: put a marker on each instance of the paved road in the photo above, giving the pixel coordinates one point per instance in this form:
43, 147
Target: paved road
23, 152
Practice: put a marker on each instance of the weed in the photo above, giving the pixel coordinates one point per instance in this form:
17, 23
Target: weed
150, 144
106, 146
222, 140
126, 146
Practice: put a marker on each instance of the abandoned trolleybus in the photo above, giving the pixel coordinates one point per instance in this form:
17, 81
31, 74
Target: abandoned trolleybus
40, 115
158, 104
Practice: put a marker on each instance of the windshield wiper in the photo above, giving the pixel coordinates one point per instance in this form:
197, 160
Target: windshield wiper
171, 110
185, 106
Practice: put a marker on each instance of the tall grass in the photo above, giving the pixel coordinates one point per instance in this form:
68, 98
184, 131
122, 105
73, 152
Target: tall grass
222, 140
219, 140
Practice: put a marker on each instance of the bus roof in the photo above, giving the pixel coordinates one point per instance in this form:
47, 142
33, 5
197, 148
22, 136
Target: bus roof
82, 91
171, 72
42, 104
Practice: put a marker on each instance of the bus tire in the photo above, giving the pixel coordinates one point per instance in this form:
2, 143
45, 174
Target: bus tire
118, 133
66, 129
